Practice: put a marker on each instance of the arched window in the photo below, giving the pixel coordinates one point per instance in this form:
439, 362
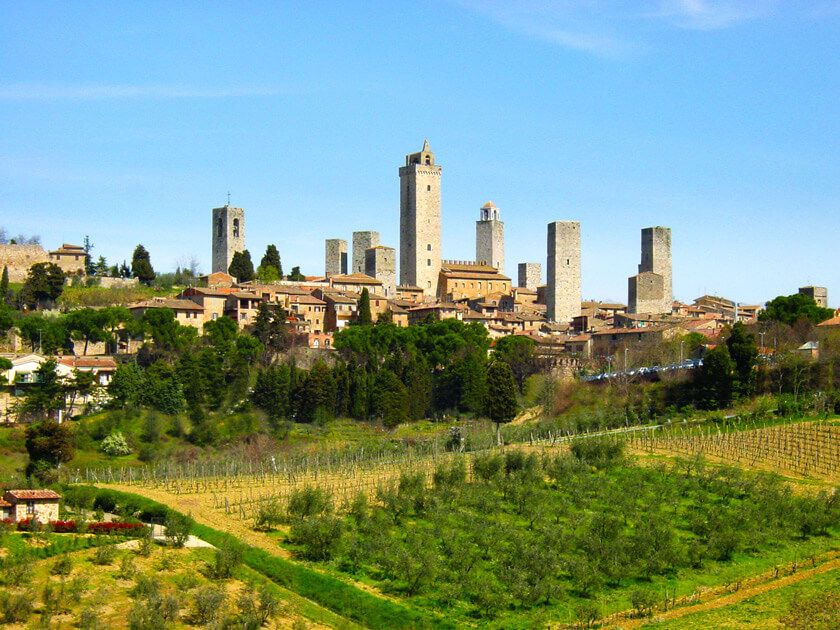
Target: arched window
236, 228
428, 160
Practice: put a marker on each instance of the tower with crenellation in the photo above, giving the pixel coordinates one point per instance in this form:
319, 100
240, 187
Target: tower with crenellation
420, 220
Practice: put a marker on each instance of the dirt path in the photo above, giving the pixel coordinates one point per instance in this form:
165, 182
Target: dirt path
625, 623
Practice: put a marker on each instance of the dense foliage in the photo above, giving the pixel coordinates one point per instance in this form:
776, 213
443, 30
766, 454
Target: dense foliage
788, 309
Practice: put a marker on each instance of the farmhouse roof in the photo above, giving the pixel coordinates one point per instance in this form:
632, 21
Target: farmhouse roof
31, 495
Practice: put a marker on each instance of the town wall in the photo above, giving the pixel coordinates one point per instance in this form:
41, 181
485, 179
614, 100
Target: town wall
19, 258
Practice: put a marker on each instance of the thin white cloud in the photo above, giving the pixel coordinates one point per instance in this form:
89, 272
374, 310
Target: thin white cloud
712, 14
46, 92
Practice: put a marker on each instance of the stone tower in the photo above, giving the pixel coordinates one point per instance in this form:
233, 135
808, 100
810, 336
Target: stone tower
362, 241
335, 257
563, 269
381, 263
650, 291
530, 275
490, 237
420, 220
228, 235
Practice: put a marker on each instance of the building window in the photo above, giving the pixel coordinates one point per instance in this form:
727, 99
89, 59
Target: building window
568, 262
236, 228
428, 247
30, 509
428, 262
429, 187
215, 316
315, 343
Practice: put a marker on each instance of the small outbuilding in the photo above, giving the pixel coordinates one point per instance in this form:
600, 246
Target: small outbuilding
25, 504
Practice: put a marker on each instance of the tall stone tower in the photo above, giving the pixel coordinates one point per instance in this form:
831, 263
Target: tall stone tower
530, 275
650, 291
381, 263
420, 220
335, 257
490, 237
362, 241
228, 235
563, 269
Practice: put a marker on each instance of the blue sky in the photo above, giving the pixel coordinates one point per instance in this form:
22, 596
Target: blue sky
130, 121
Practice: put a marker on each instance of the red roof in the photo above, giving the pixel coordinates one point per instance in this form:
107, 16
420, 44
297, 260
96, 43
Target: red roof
5, 503
25, 495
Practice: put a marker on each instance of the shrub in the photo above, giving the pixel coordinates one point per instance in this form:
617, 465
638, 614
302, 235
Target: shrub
76, 588
269, 515
207, 602
308, 502
115, 445
117, 529
89, 619
318, 535
104, 555
16, 573
227, 557
601, 452
643, 601
154, 613
62, 566
127, 569
488, 466
177, 528
146, 586
15, 607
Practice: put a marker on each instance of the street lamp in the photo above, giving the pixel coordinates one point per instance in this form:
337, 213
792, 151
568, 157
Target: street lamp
681, 350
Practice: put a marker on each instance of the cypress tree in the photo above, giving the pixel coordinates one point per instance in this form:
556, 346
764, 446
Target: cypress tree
363, 315
241, 266
141, 265
501, 404
4, 285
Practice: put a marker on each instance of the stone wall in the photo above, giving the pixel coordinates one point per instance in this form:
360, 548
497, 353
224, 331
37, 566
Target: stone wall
228, 236
563, 269
19, 258
530, 275
335, 257
362, 241
381, 263
118, 283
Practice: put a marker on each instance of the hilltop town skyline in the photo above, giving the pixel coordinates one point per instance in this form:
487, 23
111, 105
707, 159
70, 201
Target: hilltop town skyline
672, 120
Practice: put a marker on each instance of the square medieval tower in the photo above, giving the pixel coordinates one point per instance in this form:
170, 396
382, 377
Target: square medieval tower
228, 235
420, 221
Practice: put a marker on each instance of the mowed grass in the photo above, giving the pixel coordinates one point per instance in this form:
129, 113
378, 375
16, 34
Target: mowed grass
760, 611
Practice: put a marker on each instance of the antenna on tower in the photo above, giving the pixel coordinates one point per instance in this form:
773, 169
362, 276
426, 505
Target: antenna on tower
228, 203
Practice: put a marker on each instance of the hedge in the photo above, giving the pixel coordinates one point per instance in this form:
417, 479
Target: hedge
326, 590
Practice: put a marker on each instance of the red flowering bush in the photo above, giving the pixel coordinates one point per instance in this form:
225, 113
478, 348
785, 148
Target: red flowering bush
63, 527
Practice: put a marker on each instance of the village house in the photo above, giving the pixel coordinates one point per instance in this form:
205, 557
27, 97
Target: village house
20, 505
341, 310
440, 310
311, 310
410, 293
355, 282
71, 259
458, 280
187, 312
212, 301
610, 341
242, 307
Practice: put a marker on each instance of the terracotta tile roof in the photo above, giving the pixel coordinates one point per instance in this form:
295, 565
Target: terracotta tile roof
834, 321
28, 495
4, 503
305, 299
173, 303
354, 278
88, 362
490, 276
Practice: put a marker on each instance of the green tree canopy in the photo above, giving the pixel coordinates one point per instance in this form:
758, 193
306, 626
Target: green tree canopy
49, 444
141, 265
44, 398
296, 275
270, 268
715, 379
43, 285
518, 352
241, 266
788, 309
743, 351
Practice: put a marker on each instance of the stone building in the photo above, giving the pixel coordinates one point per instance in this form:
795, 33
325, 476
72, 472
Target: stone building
17, 259
228, 235
468, 280
650, 290
362, 241
490, 237
71, 259
563, 269
21, 505
335, 257
381, 263
818, 294
530, 275
420, 220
